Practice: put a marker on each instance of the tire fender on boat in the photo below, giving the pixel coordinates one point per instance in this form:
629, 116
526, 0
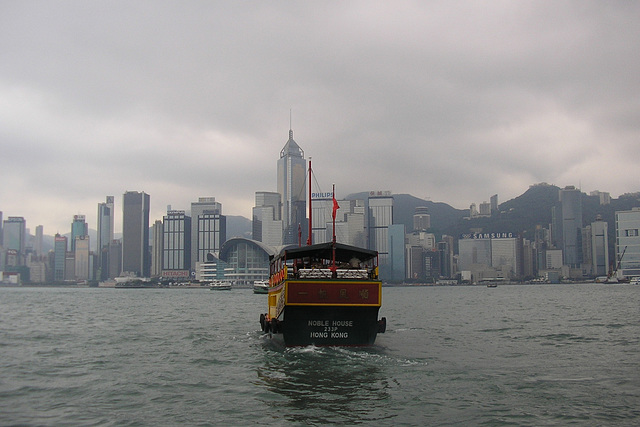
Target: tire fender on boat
275, 327
262, 322
382, 325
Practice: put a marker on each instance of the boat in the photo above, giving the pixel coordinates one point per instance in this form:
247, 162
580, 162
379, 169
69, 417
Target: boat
261, 287
635, 280
326, 294
219, 285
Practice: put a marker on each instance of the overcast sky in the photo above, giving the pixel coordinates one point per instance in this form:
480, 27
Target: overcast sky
450, 101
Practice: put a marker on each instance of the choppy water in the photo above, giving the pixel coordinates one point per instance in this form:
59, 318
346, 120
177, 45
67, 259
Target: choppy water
513, 355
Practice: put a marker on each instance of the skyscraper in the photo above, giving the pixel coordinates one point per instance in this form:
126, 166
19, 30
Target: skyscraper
60, 255
291, 186
135, 234
571, 223
39, 240
379, 218
79, 228
14, 235
157, 233
599, 247
628, 242
421, 219
81, 256
266, 225
176, 245
208, 229
105, 234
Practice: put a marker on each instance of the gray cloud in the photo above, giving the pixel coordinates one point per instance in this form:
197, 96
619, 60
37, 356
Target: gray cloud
451, 100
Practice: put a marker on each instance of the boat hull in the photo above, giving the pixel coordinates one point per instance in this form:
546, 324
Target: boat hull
324, 313
328, 326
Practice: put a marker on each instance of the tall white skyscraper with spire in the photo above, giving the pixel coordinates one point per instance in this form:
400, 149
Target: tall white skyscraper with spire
292, 188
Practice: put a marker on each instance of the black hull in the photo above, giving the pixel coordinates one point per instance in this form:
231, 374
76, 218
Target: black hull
328, 326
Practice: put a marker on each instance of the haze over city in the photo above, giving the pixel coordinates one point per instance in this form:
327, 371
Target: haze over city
450, 101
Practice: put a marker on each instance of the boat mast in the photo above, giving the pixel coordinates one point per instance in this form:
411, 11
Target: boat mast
333, 240
310, 238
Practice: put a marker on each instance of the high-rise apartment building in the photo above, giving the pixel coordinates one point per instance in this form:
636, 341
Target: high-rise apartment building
628, 242
136, 258
266, 225
571, 223
208, 229
176, 245
291, 186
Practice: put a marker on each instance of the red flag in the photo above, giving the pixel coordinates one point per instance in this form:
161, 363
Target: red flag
335, 206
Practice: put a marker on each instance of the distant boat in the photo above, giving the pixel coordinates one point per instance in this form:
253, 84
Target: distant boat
635, 280
218, 285
492, 285
261, 287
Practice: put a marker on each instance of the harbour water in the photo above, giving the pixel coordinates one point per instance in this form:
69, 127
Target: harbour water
511, 355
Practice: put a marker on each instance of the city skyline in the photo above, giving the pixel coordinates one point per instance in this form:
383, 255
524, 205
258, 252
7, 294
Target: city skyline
92, 224
441, 100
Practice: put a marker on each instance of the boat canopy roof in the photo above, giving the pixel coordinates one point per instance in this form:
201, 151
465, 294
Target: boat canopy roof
344, 253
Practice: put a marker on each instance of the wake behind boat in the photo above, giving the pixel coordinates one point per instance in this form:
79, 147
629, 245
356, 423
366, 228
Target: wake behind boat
327, 294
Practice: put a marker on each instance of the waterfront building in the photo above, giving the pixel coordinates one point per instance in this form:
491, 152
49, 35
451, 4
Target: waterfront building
208, 229
60, 254
628, 242
136, 259
292, 189
157, 232
379, 218
491, 255
349, 223
15, 235
553, 259
599, 247
396, 258
176, 245
213, 268
79, 227
106, 215
504, 256
445, 249
571, 225
246, 260
69, 266
81, 257
266, 222
115, 258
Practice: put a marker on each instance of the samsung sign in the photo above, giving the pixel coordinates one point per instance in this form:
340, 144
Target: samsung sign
487, 236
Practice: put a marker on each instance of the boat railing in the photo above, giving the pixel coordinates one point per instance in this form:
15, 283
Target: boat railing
326, 273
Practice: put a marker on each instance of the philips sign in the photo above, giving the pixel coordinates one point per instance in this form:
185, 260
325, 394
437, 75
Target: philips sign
321, 196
